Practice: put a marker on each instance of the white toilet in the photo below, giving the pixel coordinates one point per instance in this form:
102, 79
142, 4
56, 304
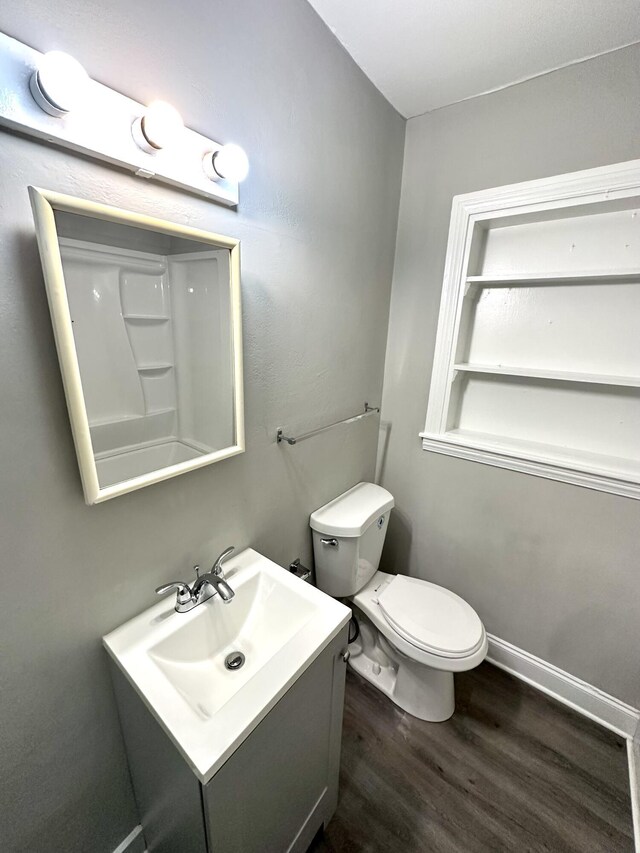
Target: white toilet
413, 634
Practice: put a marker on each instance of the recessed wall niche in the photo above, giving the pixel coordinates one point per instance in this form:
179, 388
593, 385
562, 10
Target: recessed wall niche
537, 364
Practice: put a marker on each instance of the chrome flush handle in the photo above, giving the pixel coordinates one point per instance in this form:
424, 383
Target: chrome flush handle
333, 543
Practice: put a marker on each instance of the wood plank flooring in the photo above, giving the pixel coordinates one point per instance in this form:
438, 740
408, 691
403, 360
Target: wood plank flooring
511, 771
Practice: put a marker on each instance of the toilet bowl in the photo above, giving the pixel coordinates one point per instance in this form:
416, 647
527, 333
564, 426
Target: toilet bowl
426, 632
413, 634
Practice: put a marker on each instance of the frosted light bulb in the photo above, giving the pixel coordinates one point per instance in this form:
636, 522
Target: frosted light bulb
59, 84
229, 162
160, 127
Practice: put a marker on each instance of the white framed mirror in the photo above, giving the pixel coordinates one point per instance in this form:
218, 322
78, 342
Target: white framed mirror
147, 321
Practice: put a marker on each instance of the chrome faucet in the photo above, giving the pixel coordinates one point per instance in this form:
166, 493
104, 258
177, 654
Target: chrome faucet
204, 587
215, 578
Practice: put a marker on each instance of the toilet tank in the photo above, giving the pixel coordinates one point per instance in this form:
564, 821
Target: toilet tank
348, 535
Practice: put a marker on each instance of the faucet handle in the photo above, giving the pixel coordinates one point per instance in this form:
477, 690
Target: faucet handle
183, 591
217, 566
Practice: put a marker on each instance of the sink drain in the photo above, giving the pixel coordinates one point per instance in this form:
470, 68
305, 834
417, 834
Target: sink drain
234, 661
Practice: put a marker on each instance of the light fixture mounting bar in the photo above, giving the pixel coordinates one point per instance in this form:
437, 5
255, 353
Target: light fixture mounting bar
101, 129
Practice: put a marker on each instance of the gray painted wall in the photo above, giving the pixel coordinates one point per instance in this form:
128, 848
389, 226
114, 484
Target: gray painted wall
317, 222
550, 567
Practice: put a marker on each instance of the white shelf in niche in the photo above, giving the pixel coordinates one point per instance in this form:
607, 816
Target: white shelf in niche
564, 277
558, 375
595, 470
567, 456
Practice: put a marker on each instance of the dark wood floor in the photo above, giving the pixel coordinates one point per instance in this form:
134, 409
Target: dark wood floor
511, 771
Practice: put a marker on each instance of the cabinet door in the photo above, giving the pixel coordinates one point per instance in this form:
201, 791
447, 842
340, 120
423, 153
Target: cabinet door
280, 785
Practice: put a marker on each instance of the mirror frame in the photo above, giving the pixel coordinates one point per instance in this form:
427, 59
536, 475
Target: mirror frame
44, 203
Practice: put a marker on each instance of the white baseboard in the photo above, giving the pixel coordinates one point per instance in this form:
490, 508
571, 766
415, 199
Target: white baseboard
582, 697
133, 843
633, 749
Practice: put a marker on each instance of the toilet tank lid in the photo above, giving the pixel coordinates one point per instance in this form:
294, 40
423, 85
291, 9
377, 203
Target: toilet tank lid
351, 513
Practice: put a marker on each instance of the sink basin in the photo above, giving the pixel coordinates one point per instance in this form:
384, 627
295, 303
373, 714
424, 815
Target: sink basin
176, 661
263, 616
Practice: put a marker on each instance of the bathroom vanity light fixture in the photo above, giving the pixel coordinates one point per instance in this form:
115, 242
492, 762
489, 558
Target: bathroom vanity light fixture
52, 98
228, 163
59, 83
159, 127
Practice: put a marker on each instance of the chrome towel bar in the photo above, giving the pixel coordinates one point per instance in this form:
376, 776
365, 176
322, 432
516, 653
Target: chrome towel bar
368, 410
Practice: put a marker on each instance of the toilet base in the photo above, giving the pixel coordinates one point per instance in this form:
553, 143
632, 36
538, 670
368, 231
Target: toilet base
421, 691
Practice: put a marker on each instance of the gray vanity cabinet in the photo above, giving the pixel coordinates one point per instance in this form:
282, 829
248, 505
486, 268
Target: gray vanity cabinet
272, 795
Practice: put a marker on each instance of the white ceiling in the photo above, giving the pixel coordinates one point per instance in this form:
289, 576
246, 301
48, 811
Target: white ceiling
424, 54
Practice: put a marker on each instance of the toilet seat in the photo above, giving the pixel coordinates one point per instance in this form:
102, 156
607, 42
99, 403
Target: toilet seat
367, 600
431, 618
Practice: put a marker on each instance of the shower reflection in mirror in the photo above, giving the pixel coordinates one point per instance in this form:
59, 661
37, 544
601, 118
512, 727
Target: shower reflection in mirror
154, 316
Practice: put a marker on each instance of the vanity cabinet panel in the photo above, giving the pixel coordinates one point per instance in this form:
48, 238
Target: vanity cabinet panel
281, 784
273, 794
166, 790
